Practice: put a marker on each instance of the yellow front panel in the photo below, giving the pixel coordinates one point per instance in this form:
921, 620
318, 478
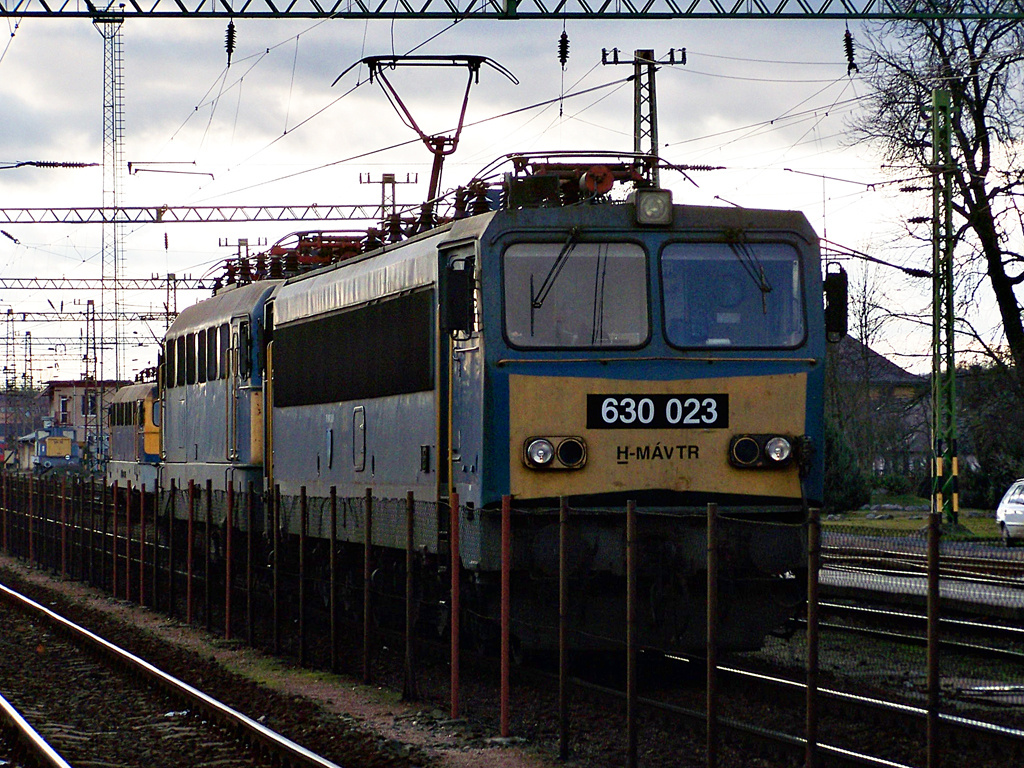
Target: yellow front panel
150, 432
58, 446
619, 460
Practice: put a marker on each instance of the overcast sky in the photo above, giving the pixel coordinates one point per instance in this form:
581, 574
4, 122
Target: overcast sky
767, 100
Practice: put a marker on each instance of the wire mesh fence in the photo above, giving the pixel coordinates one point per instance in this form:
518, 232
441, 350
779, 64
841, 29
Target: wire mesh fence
339, 582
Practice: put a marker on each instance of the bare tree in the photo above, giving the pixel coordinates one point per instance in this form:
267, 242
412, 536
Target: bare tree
980, 63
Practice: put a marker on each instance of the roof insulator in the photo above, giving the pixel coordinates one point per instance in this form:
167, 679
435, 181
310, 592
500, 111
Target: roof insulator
851, 65
229, 40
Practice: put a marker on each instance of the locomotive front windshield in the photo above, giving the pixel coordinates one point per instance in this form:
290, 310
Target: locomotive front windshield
576, 295
745, 295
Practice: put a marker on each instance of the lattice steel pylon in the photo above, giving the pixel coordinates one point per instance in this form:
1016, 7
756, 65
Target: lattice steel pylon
109, 25
10, 377
945, 491
645, 109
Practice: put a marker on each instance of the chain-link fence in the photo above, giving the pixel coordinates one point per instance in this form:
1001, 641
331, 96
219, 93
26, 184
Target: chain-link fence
338, 583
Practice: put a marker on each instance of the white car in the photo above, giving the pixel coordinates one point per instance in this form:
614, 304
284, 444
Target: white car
1010, 514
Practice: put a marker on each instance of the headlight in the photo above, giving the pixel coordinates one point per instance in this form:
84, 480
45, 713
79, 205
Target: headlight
540, 452
778, 449
653, 206
760, 451
555, 452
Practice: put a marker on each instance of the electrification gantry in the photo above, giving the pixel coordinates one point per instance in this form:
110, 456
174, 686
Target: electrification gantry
191, 214
522, 9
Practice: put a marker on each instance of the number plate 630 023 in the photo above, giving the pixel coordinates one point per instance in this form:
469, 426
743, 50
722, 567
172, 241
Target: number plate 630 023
691, 411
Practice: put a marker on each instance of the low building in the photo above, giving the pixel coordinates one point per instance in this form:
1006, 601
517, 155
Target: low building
882, 409
78, 408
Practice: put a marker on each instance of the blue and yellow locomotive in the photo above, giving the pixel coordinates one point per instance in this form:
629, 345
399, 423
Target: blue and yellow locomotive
597, 351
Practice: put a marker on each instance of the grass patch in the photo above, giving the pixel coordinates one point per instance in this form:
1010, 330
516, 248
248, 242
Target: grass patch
908, 514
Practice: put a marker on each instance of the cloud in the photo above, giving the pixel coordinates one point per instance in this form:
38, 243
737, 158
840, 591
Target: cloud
271, 128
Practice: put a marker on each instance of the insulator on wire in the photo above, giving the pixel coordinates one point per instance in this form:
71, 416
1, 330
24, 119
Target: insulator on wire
851, 65
563, 49
229, 40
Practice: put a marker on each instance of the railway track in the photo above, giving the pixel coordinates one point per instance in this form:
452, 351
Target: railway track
900, 741
996, 568
95, 703
975, 638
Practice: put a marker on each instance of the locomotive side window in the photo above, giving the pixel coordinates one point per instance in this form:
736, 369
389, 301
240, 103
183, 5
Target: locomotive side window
180, 352
190, 358
225, 349
169, 369
339, 357
576, 295
211, 354
201, 356
746, 295
243, 349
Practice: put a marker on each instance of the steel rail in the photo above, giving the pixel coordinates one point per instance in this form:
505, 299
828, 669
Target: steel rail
235, 722
976, 727
998, 564
1013, 633
980, 567
1013, 737
36, 746
982, 651
775, 739
993, 581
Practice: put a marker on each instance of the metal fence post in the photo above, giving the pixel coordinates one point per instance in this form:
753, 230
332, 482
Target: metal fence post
128, 540
563, 629
934, 609
190, 546
275, 552
409, 692
207, 557
249, 543
456, 599
303, 525
712, 637
142, 544
333, 557
506, 609
275, 540
367, 571
31, 518
113, 544
229, 525
813, 569
631, 650
171, 594
63, 527
6, 522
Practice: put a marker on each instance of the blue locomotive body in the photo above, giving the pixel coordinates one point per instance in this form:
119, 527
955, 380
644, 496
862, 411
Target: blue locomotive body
580, 352
134, 423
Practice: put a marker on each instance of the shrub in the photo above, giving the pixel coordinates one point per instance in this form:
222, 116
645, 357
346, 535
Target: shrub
846, 487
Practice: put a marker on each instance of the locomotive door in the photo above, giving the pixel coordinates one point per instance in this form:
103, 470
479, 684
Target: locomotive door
237, 382
459, 385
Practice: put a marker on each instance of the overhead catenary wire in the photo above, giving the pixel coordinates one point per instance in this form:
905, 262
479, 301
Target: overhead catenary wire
416, 140
10, 40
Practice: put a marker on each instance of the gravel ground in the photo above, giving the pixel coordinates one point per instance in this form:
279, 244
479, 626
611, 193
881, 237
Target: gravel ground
357, 726
95, 714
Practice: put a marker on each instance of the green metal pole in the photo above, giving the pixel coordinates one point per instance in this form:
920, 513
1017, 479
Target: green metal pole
945, 492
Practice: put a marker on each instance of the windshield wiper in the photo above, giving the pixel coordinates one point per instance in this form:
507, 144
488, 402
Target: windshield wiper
537, 299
